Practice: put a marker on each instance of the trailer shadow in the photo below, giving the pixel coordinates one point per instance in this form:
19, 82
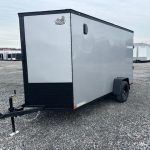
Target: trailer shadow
64, 116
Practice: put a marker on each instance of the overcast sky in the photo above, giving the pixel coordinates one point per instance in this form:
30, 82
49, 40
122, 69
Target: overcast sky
132, 14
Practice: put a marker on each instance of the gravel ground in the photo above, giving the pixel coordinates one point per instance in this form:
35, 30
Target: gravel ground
104, 124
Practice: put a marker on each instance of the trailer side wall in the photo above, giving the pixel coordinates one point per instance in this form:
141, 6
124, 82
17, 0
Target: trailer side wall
104, 53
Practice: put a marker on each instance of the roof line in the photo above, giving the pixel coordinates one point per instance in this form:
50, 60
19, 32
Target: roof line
74, 12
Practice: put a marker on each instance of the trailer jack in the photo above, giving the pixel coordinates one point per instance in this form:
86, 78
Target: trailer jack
18, 111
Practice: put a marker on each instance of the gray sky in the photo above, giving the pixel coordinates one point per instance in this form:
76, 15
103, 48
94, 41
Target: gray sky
132, 14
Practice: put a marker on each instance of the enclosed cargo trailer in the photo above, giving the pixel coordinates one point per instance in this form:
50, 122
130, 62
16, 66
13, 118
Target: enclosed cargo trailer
70, 59
141, 52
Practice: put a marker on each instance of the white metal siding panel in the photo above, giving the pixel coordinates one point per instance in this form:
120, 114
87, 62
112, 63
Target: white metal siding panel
48, 48
148, 53
98, 57
135, 52
142, 52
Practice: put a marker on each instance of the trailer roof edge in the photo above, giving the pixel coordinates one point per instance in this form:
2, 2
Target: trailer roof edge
74, 12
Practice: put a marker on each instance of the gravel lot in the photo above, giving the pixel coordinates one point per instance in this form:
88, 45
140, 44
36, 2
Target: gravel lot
104, 124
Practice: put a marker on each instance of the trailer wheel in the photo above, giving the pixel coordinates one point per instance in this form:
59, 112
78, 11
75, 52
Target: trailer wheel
123, 96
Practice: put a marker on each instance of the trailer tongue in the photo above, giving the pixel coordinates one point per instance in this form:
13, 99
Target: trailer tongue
19, 111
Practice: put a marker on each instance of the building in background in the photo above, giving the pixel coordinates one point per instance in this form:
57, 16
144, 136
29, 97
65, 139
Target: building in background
10, 54
141, 52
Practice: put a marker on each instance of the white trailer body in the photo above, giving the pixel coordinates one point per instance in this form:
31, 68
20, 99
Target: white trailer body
70, 58
141, 52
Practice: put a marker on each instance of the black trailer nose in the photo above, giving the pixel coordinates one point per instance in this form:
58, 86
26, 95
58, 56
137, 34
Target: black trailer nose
50, 95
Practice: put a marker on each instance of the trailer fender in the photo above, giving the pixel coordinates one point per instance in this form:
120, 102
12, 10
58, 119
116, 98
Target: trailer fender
117, 85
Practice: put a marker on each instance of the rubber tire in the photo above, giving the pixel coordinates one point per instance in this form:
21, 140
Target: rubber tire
124, 92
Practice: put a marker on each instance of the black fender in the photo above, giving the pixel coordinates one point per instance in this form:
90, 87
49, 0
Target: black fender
117, 85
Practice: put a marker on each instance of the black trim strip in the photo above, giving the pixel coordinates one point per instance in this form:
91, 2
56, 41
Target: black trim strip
71, 54
24, 58
74, 12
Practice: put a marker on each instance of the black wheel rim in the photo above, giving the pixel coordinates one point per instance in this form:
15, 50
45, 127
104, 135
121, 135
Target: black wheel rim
125, 93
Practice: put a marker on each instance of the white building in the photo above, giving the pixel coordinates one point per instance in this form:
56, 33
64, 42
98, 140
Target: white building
8, 54
141, 52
